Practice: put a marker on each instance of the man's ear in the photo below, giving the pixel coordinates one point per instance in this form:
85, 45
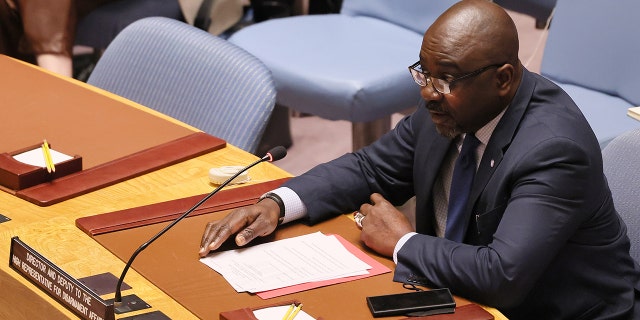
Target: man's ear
505, 78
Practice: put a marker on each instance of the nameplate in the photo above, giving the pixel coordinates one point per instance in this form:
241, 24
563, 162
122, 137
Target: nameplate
65, 289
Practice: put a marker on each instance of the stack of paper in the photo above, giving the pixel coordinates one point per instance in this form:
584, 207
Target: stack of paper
308, 258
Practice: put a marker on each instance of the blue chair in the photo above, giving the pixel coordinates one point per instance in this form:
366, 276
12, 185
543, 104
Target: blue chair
591, 52
540, 10
192, 76
622, 168
347, 66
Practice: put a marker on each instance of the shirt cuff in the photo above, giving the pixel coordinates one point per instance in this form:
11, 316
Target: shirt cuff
294, 209
401, 243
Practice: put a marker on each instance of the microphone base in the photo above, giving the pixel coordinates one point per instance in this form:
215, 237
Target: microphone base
129, 303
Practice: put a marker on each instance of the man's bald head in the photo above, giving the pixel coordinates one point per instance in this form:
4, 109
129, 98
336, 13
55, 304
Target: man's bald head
473, 46
480, 28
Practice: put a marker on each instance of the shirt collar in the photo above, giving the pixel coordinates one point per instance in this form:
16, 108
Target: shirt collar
484, 134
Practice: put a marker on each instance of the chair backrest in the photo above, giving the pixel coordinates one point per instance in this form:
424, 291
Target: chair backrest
538, 9
622, 168
416, 15
595, 44
192, 76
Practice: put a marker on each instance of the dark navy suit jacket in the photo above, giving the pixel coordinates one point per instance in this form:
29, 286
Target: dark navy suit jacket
544, 240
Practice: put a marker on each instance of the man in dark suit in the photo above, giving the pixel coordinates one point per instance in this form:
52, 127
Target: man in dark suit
538, 236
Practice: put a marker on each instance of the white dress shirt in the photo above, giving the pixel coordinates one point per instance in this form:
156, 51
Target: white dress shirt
295, 208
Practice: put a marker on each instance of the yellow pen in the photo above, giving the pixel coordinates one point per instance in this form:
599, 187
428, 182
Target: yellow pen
47, 157
46, 162
295, 312
286, 315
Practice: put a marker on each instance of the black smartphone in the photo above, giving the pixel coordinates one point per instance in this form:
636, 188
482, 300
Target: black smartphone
419, 303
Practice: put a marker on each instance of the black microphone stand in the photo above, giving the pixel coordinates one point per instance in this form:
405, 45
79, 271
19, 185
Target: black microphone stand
268, 157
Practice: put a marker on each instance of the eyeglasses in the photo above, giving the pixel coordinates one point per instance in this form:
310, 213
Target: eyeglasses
442, 86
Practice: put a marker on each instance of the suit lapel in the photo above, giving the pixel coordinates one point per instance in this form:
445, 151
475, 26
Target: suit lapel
502, 137
430, 155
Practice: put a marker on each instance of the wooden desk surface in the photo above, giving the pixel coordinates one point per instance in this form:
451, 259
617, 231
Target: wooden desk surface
173, 265
52, 232
74, 118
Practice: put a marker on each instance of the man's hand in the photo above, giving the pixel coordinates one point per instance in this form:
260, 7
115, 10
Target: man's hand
249, 222
383, 225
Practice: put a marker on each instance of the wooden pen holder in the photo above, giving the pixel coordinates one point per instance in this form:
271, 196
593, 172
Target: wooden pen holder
17, 175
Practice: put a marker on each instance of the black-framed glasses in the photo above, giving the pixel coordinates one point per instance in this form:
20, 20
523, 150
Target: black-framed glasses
443, 86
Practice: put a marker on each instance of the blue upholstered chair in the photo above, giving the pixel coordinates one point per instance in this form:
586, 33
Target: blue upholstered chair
592, 53
622, 168
347, 66
540, 10
192, 76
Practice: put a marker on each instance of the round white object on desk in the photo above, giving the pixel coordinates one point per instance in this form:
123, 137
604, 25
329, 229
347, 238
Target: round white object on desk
221, 174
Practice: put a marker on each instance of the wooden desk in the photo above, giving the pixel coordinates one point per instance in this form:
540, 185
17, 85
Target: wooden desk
172, 264
52, 232
117, 140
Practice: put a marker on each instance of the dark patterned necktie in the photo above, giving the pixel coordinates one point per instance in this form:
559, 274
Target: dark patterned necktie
463, 173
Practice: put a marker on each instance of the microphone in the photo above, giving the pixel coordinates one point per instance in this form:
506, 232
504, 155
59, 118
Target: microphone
272, 155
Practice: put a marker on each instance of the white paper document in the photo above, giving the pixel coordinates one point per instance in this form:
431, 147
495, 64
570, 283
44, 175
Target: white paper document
283, 263
276, 313
35, 157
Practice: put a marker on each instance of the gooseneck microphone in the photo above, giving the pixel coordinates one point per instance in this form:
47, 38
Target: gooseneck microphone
274, 154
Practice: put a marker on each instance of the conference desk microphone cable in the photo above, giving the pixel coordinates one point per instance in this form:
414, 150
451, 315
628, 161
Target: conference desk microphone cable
272, 155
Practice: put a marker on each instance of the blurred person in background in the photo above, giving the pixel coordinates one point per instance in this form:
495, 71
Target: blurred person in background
42, 31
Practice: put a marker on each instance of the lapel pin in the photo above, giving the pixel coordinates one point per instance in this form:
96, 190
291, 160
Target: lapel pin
492, 163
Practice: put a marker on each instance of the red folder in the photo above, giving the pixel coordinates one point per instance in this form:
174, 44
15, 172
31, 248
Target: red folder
170, 210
